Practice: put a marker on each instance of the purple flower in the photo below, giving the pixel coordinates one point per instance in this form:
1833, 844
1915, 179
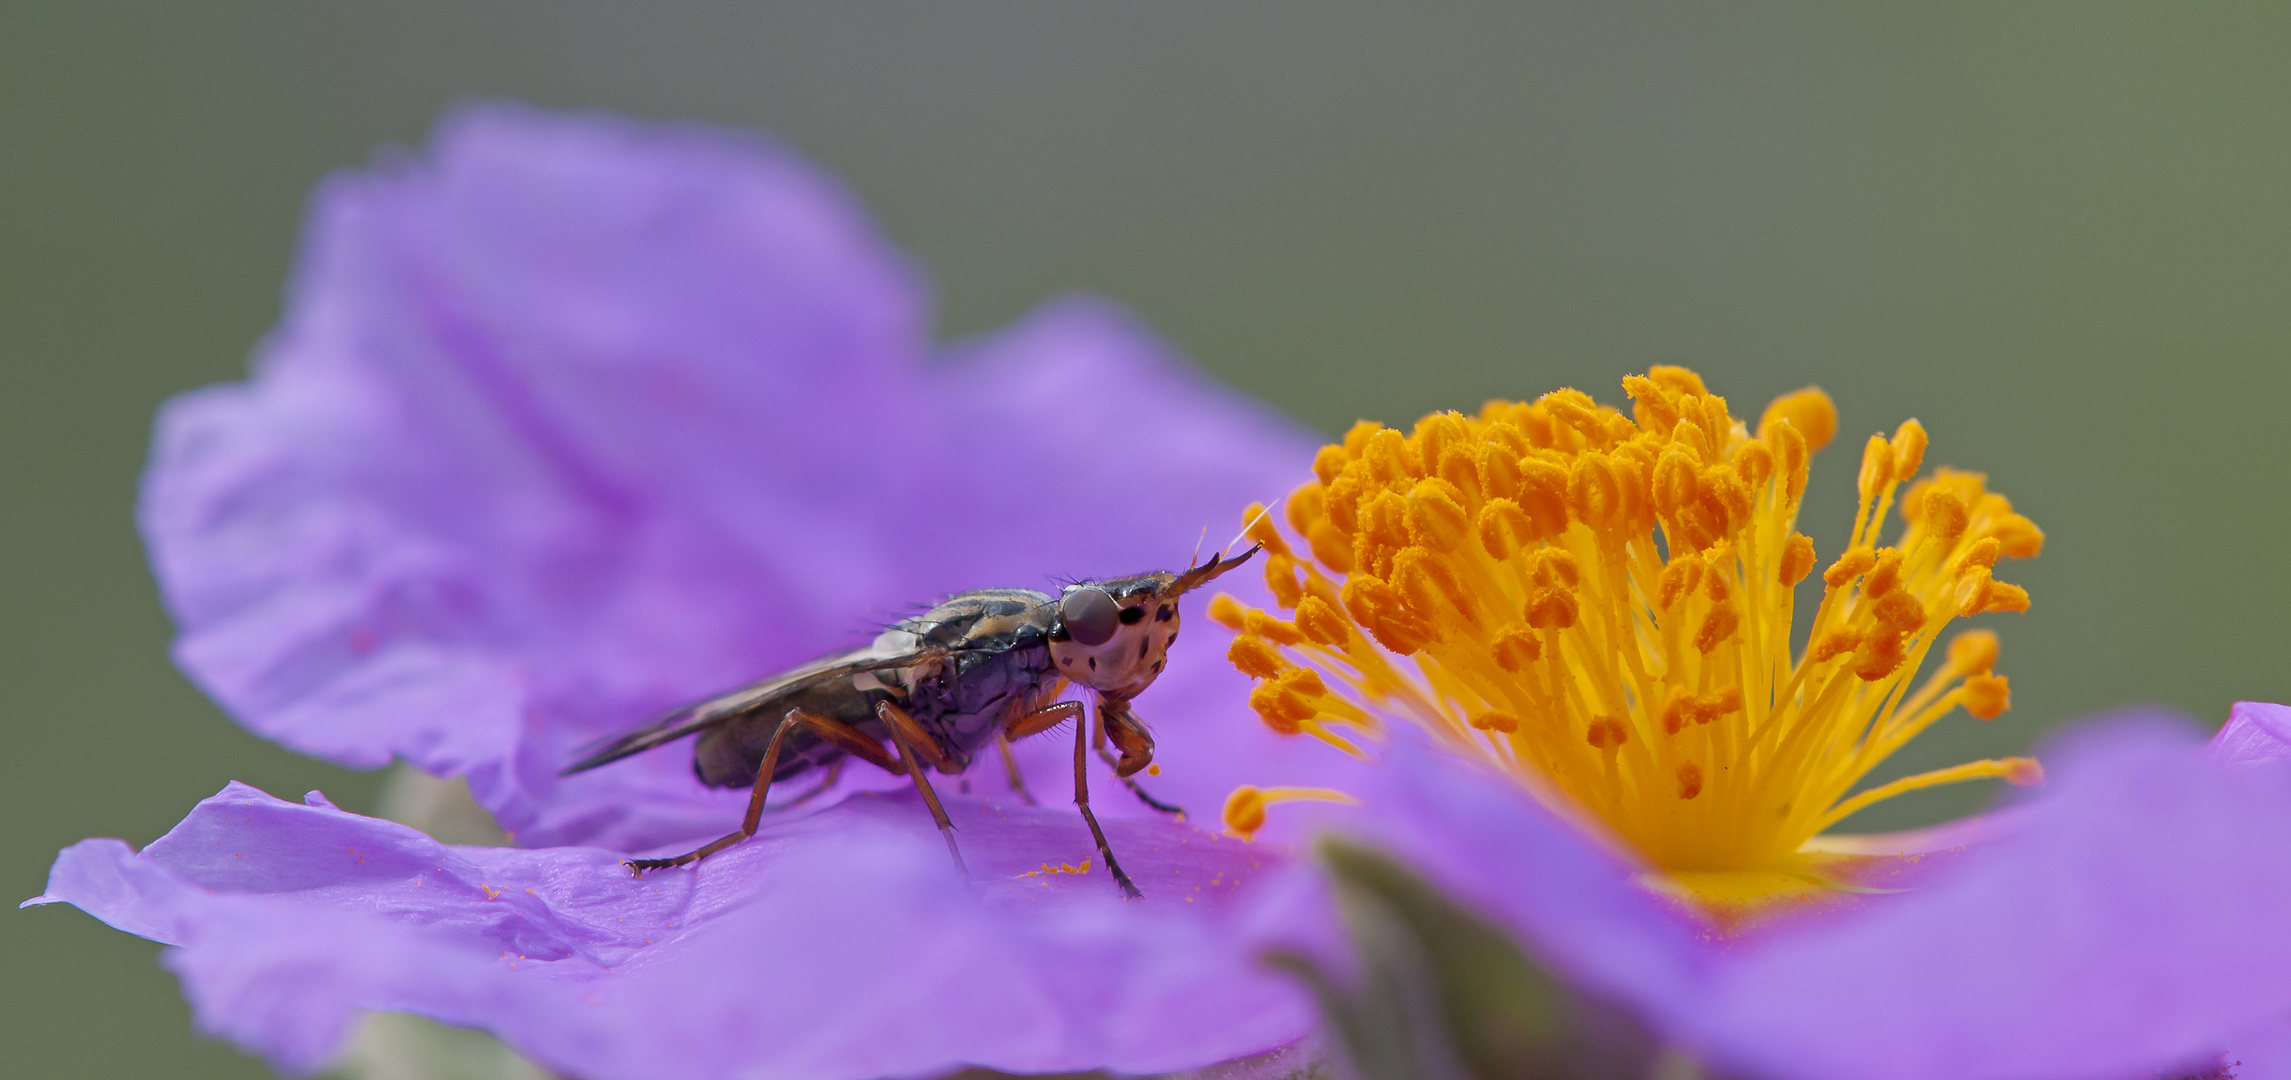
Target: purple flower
2125, 922
573, 420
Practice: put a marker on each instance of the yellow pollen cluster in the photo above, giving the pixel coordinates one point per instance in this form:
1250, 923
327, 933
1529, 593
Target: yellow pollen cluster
1602, 604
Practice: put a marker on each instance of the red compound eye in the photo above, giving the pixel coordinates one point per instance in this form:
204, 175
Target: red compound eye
1089, 616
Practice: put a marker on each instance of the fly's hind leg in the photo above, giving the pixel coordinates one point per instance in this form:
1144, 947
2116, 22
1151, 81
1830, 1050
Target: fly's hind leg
845, 737
834, 773
915, 746
1010, 766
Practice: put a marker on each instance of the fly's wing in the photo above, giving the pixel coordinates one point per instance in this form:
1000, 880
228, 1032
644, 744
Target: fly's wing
742, 702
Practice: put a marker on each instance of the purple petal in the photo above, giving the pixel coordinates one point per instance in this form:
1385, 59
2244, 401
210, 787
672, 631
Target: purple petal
1480, 838
840, 944
574, 420
2133, 921
2257, 733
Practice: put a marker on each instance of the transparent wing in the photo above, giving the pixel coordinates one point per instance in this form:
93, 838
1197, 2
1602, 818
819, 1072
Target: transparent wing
725, 708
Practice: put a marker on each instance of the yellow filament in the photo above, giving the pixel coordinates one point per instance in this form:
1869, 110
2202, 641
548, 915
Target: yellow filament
1603, 603
1245, 808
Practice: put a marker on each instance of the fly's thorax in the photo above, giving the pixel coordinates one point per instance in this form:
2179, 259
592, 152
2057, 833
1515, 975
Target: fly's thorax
1114, 636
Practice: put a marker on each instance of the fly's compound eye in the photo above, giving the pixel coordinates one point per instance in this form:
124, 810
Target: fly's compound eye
1089, 616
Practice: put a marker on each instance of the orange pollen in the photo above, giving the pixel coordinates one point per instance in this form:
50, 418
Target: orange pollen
1605, 602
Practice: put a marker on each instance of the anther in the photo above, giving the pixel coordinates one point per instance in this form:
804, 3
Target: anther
1987, 696
1901, 611
1500, 722
1255, 657
1834, 644
1754, 463
1983, 552
1884, 576
2004, 597
1330, 461
1516, 647
1499, 470
1257, 524
1436, 433
1876, 466
1228, 612
1551, 609
1504, 528
1543, 494
1436, 517
1259, 624
1429, 584
1908, 449
1797, 559
1594, 493
1689, 780
1849, 566
1557, 565
1973, 585
1725, 494
2020, 537
1882, 652
1331, 548
1792, 459
1676, 484
1716, 628
1344, 495
1322, 624
1973, 652
1244, 812
1390, 458
1607, 733
1810, 411
1307, 504
1458, 466
1943, 515
1281, 579
2023, 772
1679, 578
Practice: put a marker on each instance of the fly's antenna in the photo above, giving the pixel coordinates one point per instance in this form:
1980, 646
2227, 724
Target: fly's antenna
1263, 511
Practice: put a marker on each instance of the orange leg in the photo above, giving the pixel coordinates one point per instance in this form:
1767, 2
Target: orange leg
1010, 766
912, 741
1082, 799
834, 773
844, 736
1098, 743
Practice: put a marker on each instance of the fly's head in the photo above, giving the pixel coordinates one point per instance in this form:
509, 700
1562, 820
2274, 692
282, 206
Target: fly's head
1113, 636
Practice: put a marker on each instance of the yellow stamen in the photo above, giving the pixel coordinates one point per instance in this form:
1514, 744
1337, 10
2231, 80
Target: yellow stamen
1604, 603
1245, 808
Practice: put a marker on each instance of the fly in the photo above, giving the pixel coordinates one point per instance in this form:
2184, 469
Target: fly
985, 666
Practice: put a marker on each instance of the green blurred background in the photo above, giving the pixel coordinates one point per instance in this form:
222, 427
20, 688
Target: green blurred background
2058, 235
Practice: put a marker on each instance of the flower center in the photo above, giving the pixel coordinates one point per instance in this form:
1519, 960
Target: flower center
1602, 605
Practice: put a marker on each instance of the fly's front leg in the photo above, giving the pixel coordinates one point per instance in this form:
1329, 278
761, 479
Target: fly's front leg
844, 736
1133, 737
913, 741
1082, 799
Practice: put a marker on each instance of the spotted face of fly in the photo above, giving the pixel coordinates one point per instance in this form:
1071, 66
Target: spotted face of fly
1113, 636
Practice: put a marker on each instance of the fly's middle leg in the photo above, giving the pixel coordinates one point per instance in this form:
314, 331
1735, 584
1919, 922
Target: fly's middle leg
842, 735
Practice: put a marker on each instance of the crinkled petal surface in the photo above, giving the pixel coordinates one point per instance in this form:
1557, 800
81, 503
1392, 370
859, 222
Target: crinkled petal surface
2256, 733
572, 420
841, 944
2130, 922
